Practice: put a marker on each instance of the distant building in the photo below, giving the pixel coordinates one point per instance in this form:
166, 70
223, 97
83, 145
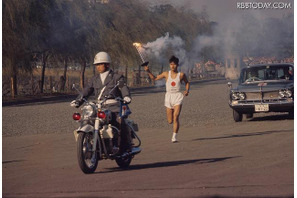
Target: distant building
233, 65
98, 1
104, 1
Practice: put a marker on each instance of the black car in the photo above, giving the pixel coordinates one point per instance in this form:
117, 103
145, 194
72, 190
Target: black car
263, 88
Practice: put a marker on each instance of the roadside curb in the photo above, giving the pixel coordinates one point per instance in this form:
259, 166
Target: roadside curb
69, 97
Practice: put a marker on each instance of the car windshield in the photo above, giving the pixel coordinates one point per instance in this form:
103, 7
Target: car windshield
253, 74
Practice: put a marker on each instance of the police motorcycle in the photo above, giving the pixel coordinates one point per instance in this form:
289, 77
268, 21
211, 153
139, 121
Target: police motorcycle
98, 139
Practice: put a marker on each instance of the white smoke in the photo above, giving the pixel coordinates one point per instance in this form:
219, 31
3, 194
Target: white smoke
163, 43
248, 34
163, 48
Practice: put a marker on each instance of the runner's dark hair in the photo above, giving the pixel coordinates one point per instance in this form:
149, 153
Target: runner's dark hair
174, 59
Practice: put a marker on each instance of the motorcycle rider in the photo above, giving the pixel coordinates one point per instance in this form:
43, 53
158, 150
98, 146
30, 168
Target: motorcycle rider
101, 84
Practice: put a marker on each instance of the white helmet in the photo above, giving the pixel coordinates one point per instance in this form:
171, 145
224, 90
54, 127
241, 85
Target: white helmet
102, 57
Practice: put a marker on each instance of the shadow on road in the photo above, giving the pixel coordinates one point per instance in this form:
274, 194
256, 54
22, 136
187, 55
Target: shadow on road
272, 118
12, 161
242, 135
167, 164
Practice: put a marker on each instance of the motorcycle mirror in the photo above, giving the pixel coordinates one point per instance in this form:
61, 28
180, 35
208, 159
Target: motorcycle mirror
121, 83
74, 87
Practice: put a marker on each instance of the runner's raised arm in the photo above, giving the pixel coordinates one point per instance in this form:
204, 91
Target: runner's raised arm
154, 78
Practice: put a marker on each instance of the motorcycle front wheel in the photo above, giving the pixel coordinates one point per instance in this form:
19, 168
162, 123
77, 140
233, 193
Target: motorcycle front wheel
87, 162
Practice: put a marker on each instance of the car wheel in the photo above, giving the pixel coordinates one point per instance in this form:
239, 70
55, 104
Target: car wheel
249, 115
291, 114
237, 116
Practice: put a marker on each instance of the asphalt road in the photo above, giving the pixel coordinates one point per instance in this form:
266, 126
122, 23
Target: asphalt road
215, 157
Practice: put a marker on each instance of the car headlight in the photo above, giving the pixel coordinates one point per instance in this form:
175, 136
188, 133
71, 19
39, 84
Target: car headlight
238, 96
288, 93
281, 93
285, 93
235, 96
241, 96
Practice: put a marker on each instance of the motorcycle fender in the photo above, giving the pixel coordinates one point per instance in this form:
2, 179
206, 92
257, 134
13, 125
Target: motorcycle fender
83, 129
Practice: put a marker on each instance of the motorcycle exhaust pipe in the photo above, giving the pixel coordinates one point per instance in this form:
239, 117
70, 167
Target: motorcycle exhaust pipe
134, 151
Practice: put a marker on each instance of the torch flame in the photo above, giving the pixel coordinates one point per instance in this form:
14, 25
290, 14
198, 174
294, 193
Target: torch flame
137, 44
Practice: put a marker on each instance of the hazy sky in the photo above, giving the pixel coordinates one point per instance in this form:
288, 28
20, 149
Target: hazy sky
220, 9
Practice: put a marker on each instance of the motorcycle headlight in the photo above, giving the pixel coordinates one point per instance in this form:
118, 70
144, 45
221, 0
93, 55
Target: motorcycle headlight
88, 110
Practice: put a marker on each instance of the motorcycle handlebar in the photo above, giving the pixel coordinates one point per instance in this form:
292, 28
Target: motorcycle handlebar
119, 84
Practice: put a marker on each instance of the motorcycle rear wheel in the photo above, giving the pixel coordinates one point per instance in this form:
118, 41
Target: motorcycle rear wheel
84, 153
124, 162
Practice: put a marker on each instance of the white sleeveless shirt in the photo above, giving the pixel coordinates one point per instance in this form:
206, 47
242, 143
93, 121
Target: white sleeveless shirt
173, 85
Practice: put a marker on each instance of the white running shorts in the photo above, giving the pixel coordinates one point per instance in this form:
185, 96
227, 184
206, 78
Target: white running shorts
173, 98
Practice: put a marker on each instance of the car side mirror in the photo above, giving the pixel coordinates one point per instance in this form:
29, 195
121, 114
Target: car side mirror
229, 84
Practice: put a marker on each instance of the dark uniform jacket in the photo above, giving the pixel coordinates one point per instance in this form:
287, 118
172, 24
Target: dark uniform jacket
95, 86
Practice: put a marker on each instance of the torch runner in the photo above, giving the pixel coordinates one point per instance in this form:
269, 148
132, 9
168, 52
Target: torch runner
137, 45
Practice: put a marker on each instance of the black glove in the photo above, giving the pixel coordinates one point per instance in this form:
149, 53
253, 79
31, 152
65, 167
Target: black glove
145, 64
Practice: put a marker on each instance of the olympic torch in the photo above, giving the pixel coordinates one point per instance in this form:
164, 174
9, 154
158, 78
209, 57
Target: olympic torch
137, 46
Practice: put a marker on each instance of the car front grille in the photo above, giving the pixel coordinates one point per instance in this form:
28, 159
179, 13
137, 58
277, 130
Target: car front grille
273, 95
253, 96
268, 97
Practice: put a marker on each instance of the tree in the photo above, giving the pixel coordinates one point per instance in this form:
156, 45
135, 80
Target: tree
76, 30
14, 25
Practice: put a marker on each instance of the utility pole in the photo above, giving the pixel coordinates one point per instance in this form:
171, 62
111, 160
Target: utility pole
126, 74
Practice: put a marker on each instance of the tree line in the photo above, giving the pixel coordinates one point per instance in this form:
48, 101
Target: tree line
66, 31
75, 30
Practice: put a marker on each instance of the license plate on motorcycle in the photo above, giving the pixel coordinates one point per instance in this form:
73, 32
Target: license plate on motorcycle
261, 108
